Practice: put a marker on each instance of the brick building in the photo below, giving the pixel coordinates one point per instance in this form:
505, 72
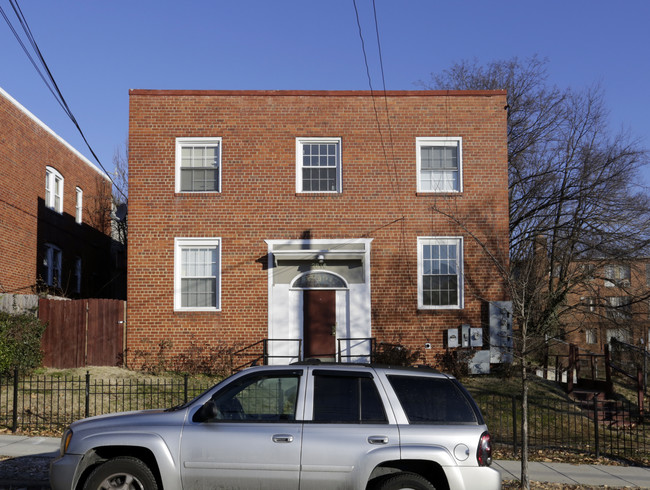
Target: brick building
54, 205
311, 221
613, 302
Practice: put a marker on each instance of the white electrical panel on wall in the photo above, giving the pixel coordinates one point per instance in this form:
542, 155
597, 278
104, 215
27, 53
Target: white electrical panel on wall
452, 338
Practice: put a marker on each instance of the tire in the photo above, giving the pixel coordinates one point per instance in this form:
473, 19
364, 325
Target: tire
123, 473
403, 481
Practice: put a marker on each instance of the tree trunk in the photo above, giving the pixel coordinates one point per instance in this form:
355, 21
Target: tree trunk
525, 484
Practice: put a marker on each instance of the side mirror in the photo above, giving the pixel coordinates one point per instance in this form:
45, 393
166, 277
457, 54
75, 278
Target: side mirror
208, 411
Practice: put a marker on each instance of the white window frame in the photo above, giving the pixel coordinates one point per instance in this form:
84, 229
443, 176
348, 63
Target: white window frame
300, 142
79, 202
199, 141
458, 241
589, 303
179, 245
619, 307
617, 275
456, 141
54, 189
591, 336
53, 252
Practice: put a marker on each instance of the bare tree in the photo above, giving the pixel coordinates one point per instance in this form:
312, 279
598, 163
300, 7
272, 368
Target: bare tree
573, 194
120, 178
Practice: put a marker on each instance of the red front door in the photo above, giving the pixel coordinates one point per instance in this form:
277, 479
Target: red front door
319, 322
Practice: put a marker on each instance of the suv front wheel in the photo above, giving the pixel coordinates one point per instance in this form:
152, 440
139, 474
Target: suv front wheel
403, 481
124, 472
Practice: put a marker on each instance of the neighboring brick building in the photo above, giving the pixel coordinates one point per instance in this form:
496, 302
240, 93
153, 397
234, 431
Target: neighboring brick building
54, 205
306, 216
614, 302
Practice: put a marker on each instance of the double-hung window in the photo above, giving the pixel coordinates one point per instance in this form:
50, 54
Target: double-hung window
53, 189
197, 270
79, 205
198, 164
439, 164
440, 273
617, 275
318, 165
76, 278
591, 335
619, 307
52, 262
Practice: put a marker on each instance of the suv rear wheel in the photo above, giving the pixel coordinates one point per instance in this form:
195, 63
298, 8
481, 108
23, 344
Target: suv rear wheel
403, 481
124, 472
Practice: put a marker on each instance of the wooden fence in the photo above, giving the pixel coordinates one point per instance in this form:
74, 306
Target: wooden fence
83, 332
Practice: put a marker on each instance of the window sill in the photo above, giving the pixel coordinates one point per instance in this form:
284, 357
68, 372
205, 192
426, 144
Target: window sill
438, 194
197, 193
197, 310
319, 194
440, 308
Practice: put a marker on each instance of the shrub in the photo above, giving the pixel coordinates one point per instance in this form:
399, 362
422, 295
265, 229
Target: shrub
455, 362
20, 342
395, 355
209, 360
196, 359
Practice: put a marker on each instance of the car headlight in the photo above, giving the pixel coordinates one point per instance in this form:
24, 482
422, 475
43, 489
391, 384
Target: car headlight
65, 440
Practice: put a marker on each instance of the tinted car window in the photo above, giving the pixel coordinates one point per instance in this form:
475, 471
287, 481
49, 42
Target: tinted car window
432, 400
260, 398
347, 399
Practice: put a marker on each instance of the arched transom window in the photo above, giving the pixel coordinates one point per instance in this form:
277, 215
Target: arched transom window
319, 280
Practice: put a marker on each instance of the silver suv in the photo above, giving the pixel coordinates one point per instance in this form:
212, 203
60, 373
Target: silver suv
303, 426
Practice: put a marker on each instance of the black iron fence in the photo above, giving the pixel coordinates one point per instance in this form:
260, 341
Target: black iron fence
596, 427
49, 403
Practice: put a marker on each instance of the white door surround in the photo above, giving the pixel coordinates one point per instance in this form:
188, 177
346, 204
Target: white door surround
341, 265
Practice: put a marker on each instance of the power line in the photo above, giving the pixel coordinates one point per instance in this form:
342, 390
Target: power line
383, 80
49, 81
372, 97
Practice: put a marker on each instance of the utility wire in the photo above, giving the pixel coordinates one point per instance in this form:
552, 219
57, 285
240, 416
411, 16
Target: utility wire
383, 80
20, 41
374, 106
49, 81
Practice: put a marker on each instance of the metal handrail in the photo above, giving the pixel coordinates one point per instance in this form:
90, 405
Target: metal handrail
340, 356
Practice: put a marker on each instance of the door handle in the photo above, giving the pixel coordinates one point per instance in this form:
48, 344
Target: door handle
378, 439
284, 438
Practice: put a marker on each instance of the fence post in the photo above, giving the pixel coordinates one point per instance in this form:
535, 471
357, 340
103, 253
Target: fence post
596, 435
185, 377
592, 363
639, 391
569, 375
87, 411
546, 361
14, 420
514, 425
608, 371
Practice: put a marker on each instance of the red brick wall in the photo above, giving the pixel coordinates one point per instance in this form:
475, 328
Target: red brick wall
259, 201
26, 148
635, 320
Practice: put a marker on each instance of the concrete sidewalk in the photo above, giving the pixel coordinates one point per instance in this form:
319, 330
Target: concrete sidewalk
16, 446
572, 474
563, 473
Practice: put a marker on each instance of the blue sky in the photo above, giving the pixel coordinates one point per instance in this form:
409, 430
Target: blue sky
98, 50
